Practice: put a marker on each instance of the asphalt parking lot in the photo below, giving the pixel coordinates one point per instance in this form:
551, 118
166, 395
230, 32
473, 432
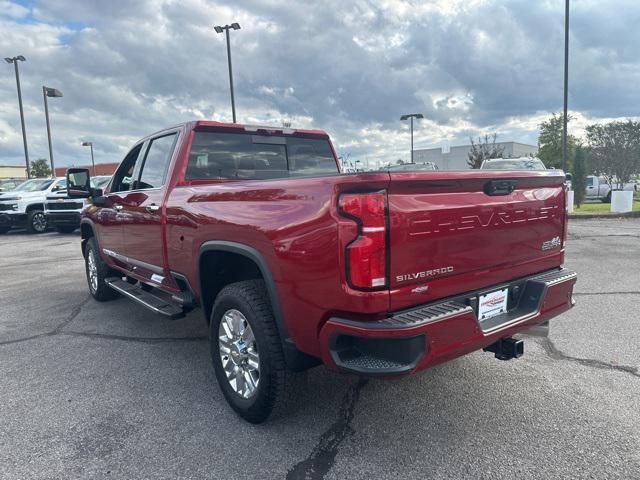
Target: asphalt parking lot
110, 390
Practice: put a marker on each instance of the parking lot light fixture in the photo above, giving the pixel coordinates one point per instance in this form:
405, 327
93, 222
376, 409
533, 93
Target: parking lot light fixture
226, 28
411, 116
53, 93
93, 163
14, 61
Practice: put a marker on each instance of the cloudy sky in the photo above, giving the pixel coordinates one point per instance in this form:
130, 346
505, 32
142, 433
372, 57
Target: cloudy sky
128, 68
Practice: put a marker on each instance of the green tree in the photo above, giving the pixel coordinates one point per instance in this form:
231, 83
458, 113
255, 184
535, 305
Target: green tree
615, 150
40, 168
580, 170
550, 143
484, 149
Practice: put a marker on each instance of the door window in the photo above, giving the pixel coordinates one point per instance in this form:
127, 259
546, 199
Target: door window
156, 162
123, 178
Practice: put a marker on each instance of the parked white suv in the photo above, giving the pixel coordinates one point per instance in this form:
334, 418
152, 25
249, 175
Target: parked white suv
24, 205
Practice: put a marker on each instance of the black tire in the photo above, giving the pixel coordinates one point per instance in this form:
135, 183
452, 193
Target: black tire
36, 221
98, 289
4, 230
276, 384
65, 229
607, 199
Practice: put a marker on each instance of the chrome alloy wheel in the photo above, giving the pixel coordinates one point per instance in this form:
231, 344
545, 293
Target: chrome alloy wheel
39, 222
239, 353
92, 268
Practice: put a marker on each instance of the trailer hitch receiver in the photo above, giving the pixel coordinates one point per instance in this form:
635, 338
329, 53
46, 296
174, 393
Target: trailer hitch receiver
506, 348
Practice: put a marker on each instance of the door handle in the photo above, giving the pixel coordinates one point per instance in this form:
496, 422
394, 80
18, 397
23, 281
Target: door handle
118, 207
153, 208
500, 187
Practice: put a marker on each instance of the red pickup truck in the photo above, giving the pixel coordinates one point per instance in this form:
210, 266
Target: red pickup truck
295, 264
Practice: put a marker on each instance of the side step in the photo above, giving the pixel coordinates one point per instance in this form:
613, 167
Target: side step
146, 299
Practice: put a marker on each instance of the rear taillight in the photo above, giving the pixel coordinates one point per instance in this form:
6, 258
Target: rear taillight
366, 255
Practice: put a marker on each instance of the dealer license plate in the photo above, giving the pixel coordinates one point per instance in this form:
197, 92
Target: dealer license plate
492, 304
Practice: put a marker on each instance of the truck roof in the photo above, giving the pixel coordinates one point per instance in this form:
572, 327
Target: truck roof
195, 124
250, 127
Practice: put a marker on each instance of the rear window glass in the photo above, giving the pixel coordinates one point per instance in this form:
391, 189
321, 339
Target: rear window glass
244, 156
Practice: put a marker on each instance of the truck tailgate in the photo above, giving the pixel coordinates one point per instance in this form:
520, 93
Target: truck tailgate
452, 232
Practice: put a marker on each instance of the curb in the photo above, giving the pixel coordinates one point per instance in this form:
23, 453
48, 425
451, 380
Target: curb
591, 216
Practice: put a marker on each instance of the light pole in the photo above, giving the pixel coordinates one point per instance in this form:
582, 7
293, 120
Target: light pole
411, 116
15, 61
93, 163
49, 92
226, 28
566, 84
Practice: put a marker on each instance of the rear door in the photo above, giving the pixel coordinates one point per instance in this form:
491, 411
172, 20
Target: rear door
453, 232
142, 210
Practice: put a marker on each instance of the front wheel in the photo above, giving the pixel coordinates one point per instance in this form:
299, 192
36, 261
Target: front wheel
97, 271
36, 221
247, 353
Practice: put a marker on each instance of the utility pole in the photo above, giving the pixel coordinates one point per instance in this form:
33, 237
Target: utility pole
15, 61
411, 116
566, 85
226, 28
49, 92
93, 163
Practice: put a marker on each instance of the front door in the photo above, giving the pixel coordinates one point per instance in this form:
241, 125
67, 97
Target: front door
142, 212
108, 220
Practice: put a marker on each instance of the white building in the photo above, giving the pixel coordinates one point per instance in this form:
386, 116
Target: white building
13, 171
455, 158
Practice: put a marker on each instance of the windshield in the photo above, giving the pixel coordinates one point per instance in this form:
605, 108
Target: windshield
411, 167
34, 185
532, 164
8, 184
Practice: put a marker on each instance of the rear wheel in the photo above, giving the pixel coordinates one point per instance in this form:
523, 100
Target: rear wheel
97, 272
607, 199
36, 221
65, 229
247, 353
4, 230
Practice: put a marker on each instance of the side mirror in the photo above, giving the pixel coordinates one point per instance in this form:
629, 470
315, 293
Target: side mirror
78, 183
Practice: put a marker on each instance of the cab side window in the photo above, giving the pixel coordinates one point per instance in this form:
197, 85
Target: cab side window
123, 178
156, 162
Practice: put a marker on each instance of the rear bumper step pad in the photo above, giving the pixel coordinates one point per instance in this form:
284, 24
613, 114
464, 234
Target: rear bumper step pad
427, 335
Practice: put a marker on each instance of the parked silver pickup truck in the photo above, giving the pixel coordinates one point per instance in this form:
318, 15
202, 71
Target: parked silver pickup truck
599, 189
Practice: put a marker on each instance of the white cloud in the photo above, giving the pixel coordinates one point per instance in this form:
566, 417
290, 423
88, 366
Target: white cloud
351, 68
12, 10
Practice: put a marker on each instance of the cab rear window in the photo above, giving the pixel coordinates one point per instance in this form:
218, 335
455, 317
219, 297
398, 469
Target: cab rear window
216, 156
